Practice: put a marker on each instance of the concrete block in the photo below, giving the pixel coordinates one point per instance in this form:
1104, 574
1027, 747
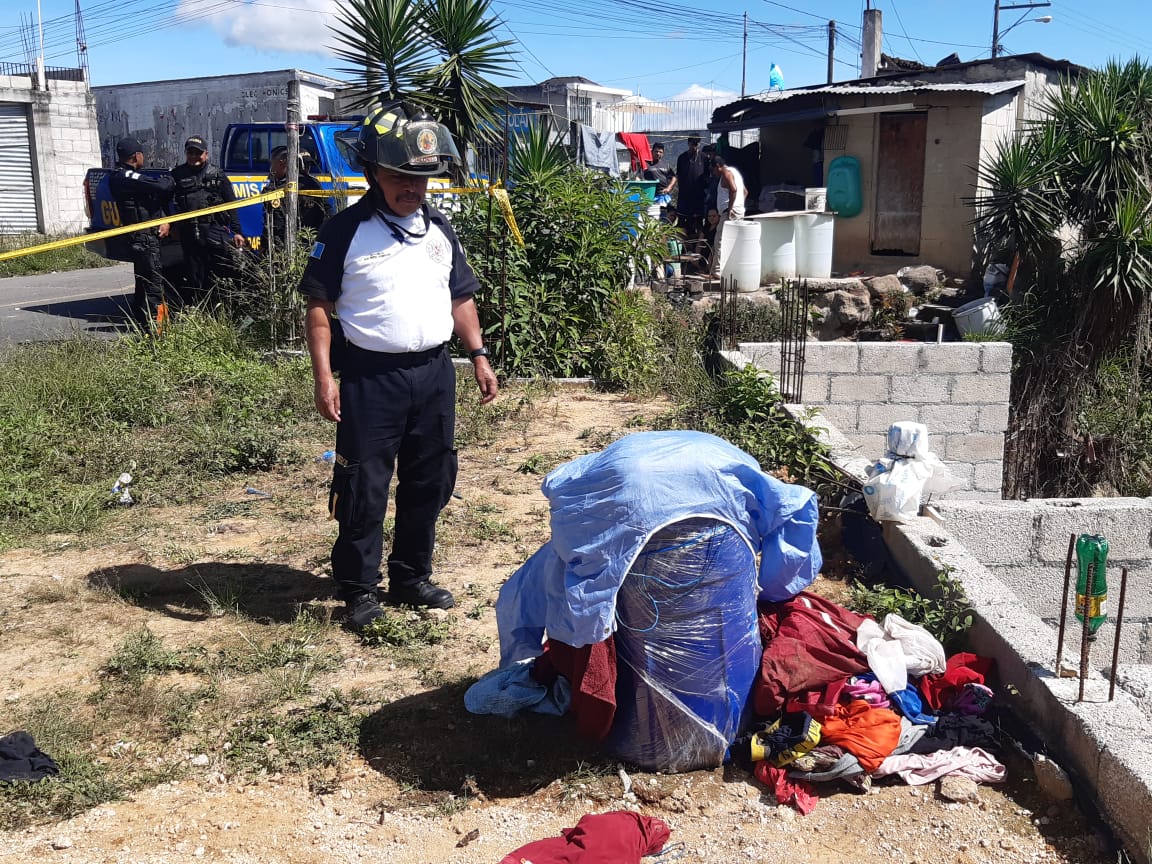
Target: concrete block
859, 388
920, 388
1126, 522
1125, 789
763, 355
870, 445
960, 358
981, 389
989, 476
843, 417
996, 357
835, 357
975, 447
1004, 533
945, 419
993, 418
962, 472
877, 357
877, 418
815, 388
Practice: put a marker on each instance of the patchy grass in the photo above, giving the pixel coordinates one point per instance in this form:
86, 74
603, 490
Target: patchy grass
53, 261
406, 629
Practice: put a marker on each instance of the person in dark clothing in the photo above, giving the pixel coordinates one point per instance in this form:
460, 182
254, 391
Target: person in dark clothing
663, 175
207, 241
140, 198
312, 211
691, 175
391, 268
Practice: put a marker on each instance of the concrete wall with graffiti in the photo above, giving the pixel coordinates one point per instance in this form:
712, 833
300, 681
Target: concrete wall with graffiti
163, 114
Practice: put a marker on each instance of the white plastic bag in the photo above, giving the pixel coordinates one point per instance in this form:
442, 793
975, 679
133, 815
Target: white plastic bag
897, 483
908, 439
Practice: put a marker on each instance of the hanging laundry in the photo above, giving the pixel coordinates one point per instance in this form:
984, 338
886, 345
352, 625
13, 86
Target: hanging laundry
618, 837
598, 150
637, 144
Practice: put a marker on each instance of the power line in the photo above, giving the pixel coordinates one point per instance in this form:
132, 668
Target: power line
900, 21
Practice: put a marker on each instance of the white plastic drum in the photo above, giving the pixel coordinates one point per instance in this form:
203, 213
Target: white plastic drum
777, 246
742, 236
814, 245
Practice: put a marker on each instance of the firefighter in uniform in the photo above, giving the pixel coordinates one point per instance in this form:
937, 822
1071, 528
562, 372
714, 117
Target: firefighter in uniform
312, 211
391, 268
139, 199
207, 241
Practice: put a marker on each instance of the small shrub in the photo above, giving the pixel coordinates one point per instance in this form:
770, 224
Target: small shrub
946, 616
142, 654
303, 739
405, 629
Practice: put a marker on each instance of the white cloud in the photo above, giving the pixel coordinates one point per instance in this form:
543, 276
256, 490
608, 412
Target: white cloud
699, 91
275, 25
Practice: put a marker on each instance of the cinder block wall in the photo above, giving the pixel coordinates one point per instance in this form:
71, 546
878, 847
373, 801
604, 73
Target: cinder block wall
958, 390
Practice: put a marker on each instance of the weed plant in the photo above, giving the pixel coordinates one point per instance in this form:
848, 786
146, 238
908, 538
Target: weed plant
405, 630
53, 261
946, 615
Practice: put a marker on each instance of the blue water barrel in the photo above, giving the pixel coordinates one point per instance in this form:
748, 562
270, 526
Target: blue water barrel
845, 197
687, 647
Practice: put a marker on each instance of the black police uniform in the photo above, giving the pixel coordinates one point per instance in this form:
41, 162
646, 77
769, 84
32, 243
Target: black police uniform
397, 405
313, 212
140, 198
206, 240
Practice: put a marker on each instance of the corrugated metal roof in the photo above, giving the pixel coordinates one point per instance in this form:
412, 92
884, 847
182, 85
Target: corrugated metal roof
989, 88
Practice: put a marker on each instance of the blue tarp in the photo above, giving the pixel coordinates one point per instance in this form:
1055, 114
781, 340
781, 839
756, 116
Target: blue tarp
607, 505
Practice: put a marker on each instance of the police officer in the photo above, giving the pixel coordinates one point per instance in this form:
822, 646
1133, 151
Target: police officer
139, 199
207, 241
312, 210
393, 270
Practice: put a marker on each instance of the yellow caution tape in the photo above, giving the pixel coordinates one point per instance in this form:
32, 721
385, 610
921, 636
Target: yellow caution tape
140, 226
505, 205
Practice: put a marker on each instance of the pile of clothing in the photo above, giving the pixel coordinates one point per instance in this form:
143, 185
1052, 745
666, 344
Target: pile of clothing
844, 698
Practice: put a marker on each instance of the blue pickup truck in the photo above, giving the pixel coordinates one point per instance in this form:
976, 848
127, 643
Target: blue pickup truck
244, 157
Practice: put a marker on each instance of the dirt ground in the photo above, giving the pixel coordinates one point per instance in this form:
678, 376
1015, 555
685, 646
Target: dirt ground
427, 782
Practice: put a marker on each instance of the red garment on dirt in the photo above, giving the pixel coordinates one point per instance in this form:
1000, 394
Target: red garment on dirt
618, 837
869, 734
939, 690
637, 143
591, 671
800, 793
809, 643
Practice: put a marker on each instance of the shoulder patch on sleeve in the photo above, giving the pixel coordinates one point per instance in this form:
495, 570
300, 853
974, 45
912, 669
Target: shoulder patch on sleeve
317, 251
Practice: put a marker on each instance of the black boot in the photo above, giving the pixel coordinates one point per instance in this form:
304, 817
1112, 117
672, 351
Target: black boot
423, 594
361, 611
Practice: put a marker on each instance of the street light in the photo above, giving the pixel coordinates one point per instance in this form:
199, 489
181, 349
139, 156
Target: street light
997, 35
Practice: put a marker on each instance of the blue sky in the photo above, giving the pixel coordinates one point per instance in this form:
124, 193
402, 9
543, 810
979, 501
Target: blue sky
660, 50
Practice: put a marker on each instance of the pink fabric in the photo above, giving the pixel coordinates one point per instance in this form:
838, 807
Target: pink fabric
916, 769
870, 691
618, 837
799, 793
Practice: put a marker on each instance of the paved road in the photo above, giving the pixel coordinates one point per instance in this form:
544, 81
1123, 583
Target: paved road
57, 305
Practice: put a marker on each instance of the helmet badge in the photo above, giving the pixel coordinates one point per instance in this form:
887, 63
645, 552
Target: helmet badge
426, 141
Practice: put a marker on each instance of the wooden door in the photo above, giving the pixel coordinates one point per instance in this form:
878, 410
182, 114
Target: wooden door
899, 184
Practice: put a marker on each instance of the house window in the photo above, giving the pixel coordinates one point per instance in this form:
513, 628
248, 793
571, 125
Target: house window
580, 108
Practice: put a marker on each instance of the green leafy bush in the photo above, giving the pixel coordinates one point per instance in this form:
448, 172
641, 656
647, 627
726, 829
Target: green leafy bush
947, 616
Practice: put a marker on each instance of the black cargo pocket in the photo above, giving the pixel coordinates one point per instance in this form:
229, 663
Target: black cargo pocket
342, 497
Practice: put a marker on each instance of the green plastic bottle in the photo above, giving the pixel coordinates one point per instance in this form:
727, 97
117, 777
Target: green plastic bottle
1091, 582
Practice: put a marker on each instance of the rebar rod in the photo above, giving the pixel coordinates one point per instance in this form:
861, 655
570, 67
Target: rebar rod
1064, 602
1119, 623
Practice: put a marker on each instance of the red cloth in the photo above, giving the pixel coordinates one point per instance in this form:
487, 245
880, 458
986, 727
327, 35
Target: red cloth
939, 690
618, 837
637, 143
797, 792
809, 643
869, 734
591, 671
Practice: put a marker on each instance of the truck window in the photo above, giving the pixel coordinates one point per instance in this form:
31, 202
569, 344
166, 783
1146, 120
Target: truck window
236, 159
264, 141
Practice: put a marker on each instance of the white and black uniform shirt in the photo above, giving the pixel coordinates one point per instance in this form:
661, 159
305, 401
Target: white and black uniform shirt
392, 278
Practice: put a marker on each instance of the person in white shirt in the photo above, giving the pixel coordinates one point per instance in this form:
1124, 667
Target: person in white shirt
730, 195
392, 270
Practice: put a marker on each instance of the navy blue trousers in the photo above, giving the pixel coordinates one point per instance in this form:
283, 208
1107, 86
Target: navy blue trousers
398, 412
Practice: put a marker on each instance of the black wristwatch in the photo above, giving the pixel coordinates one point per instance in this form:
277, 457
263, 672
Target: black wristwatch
479, 352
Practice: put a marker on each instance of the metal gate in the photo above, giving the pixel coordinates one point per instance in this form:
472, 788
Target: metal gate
17, 186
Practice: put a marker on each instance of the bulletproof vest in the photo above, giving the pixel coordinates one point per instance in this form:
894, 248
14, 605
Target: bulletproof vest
200, 189
135, 204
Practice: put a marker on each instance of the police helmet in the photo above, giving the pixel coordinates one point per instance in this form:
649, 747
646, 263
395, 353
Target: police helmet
403, 137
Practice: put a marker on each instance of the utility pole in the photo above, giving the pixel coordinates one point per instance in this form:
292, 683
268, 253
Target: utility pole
744, 61
996, 21
290, 202
831, 51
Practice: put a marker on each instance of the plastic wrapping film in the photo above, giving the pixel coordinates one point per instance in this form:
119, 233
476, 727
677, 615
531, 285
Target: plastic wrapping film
687, 647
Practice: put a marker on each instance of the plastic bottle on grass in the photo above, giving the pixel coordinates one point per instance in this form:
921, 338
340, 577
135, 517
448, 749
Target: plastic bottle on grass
1091, 581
